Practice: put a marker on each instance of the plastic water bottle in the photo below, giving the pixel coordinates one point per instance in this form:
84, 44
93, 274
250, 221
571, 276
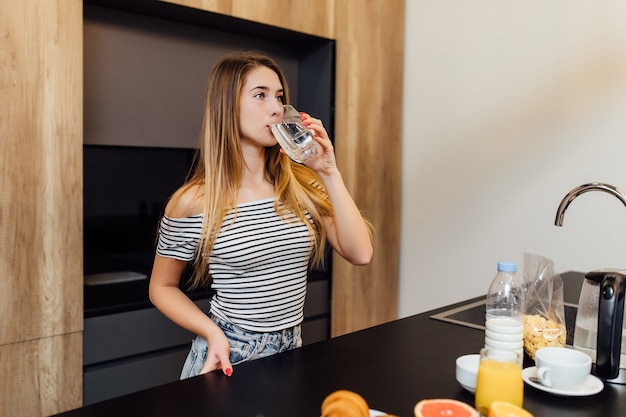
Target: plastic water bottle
504, 320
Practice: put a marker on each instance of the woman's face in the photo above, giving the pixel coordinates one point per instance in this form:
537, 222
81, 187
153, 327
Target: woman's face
261, 103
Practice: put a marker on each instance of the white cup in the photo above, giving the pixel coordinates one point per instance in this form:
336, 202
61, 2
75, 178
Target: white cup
562, 368
467, 371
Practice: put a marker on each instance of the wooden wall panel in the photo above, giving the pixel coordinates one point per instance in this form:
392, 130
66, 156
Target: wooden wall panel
41, 313
315, 17
215, 6
368, 130
41, 151
41, 377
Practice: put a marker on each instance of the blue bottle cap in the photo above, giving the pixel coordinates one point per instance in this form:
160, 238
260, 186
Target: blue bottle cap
507, 266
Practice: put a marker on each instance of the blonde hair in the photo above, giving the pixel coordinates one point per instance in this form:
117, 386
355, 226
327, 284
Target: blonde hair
219, 164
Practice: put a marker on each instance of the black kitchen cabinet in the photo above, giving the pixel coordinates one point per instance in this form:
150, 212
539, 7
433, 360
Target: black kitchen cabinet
137, 349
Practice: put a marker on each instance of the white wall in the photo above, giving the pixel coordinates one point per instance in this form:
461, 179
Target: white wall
508, 105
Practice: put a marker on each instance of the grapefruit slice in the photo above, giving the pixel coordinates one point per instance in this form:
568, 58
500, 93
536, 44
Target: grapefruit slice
504, 409
444, 407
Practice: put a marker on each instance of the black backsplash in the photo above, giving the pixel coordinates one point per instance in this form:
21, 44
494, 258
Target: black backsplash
125, 192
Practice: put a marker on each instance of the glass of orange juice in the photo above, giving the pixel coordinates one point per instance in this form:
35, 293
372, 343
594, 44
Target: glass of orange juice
499, 379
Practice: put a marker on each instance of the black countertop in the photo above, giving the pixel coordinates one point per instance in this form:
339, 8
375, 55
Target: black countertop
393, 366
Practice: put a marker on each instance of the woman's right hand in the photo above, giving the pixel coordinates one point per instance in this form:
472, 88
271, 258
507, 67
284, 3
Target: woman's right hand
218, 354
166, 295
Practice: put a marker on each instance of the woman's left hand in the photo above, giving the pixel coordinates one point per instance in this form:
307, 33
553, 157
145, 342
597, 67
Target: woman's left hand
346, 230
324, 162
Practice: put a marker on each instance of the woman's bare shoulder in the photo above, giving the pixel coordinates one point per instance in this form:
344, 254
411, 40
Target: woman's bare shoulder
186, 202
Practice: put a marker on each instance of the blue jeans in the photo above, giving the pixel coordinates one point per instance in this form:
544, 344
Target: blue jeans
244, 345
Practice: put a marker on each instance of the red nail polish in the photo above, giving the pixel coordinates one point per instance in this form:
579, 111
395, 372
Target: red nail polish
229, 371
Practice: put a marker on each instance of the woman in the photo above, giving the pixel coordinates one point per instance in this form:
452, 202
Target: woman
251, 220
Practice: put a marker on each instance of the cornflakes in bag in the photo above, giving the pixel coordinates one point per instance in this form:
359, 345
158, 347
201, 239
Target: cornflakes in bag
544, 319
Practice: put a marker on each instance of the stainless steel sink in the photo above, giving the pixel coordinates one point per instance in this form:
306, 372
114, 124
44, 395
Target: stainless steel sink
473, 315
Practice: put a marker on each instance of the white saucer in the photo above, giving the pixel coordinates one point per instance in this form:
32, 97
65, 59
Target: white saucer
376, 413
591, 386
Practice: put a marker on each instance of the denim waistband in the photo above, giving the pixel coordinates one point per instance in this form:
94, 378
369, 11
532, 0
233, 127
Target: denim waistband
227, 326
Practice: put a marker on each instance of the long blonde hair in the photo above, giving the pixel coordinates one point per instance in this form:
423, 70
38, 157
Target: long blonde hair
220, 163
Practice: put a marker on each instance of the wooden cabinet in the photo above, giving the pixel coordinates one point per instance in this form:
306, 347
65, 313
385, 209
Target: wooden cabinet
41, 187
40, 206
315, 17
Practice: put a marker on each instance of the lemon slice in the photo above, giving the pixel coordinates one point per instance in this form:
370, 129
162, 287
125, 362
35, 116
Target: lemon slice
504, 409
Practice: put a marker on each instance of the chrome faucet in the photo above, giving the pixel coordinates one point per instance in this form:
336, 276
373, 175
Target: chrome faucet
594, 186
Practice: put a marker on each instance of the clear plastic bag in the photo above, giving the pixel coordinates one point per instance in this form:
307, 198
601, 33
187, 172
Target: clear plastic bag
544, 319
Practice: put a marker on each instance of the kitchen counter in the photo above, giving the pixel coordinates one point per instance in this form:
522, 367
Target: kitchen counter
392, 365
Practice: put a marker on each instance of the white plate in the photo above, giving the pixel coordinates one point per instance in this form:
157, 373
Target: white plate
591, 386
376, 413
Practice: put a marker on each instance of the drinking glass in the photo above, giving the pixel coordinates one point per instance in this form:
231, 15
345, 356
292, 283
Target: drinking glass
499, 379
293, 136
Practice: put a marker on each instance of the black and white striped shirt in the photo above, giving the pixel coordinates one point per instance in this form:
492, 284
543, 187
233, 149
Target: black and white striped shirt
258, 264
